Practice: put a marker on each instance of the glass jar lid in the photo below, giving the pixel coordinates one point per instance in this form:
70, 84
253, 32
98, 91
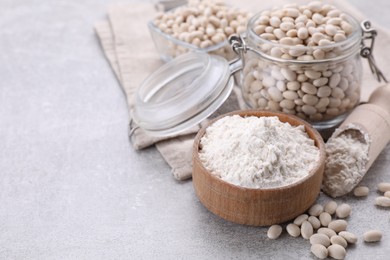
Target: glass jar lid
182, 93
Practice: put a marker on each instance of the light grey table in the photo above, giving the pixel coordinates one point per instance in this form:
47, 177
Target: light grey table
71, 186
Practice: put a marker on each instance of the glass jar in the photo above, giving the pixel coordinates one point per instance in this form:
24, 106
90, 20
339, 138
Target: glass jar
320, 84
188, 89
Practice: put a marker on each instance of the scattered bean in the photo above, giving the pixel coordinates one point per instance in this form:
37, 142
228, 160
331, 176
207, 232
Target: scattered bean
274, 231
384, 186
382, 201
331, 207
343, 210
293, 230
338, 225
372, 236
361, 191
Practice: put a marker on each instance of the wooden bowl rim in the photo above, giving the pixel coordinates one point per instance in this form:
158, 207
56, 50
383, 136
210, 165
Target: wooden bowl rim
317, 139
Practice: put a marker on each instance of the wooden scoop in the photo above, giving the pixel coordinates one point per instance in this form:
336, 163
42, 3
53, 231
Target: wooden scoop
374, 120
371, 121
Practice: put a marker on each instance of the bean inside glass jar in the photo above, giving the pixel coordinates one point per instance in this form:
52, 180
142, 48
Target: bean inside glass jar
306, 62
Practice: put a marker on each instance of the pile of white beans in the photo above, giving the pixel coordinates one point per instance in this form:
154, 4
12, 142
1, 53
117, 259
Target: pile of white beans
328, 236
203, 24
316, 90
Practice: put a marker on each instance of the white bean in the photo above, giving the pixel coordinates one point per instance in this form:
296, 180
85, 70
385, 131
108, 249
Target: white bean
334, 80
274, 231
293, 85
319, 54
276, 74
322, 103
327, 231
308, 88
276, 52
337, 251
303, 33
293, 230
288, 74
309, 110
347, 27
321, 239
325, 218
382, 201
324, 91
338, 225
372, 236
274, 21
339, 37
317, 18
317, 37
315, 222
349, 237
259, 29
343, 210
338, 93
269, 81
306, 229
361, 191
286, 41
331, 207
279, 34
310, 100
288, 104
286, 26
384, 186
330, 30
339, 240
311, 74
319, 251
320, 82
299, 220
315, 6
291, 95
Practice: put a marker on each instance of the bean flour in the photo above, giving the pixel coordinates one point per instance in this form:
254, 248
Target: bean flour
257, 152
346, 159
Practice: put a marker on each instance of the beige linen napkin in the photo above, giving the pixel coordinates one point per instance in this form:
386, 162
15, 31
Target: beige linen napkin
129, 49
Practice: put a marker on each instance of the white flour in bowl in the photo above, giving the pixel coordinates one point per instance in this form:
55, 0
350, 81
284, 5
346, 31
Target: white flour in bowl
257, 152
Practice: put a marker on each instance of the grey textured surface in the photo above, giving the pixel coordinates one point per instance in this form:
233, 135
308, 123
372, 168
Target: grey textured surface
71, 187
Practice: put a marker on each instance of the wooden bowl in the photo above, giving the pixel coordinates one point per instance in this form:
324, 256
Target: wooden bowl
258, 207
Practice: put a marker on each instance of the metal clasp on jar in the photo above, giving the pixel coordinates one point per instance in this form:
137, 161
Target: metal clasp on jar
369, 34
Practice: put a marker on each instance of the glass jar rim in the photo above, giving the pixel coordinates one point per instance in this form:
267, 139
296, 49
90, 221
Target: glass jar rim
353, 40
